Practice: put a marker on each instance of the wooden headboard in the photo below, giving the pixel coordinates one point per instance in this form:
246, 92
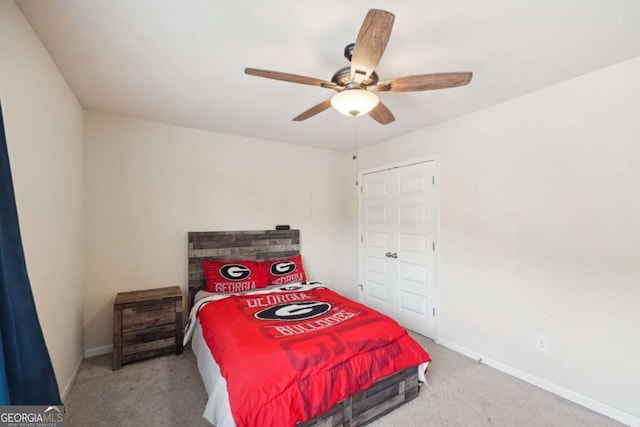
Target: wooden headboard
258, 245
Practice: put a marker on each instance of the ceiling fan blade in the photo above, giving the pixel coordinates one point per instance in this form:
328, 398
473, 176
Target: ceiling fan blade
422, 82
313, 111
379, 87
370, 43
287, 77
382, 115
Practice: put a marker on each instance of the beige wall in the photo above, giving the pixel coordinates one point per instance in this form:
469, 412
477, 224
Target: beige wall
540, 231
148, 184
43, 122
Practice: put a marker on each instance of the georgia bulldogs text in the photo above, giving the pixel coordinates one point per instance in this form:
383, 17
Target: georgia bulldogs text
314, 325
301, 312
272, 299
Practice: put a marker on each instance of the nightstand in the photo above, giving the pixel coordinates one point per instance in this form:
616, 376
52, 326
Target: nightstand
146, 323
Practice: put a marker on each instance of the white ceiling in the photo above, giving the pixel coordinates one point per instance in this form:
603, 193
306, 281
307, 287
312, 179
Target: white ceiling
181, 61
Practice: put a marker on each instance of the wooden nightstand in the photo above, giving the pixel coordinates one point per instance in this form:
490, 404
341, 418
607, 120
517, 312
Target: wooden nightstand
146, 323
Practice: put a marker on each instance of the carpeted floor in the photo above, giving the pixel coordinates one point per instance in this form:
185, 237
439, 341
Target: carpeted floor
167, 391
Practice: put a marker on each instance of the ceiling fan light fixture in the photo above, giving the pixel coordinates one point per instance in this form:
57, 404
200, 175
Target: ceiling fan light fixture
354, 102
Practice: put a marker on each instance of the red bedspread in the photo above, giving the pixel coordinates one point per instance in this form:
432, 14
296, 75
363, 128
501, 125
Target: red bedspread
290, 355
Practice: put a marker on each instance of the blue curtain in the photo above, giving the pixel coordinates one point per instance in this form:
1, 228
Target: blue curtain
27, 377
4, 389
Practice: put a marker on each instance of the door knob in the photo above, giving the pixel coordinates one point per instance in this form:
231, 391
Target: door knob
391, 255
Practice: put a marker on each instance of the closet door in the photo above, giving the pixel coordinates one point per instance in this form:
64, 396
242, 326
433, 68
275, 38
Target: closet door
397, 245
376, 225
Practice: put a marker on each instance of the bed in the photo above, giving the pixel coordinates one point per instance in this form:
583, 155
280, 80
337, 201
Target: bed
381, 395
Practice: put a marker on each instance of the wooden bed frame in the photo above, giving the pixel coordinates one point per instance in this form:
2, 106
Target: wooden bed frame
357, 410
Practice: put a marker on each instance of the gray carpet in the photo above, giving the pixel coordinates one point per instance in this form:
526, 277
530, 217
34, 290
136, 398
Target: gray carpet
167, 391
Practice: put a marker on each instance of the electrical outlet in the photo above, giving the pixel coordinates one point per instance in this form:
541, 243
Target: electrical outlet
542, 343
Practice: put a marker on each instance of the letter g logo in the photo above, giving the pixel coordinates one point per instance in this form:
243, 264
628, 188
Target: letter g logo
282, 268
235, 271
294, 311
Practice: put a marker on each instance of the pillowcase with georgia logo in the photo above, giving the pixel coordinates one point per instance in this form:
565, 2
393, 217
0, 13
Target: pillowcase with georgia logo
233, 276
283, 271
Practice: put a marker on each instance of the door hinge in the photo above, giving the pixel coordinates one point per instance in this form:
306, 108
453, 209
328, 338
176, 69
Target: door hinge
433, 180
361, 240
433, 245
361, 287
434, 312
360, 188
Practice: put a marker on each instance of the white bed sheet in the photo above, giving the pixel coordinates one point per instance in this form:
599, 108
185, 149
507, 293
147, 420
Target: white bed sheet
218, 410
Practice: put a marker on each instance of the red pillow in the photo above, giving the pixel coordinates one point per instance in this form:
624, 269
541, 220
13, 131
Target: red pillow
283, 271
233, 276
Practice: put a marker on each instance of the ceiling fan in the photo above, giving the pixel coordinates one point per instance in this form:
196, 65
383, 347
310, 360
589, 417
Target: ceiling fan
357, 83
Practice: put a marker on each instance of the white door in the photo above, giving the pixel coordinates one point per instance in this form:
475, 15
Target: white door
398, 241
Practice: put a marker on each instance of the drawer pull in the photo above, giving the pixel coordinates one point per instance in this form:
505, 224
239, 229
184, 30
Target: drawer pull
151, 308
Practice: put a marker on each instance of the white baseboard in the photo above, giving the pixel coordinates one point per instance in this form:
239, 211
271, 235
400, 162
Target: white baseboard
556, 389
72, 380
97, 351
